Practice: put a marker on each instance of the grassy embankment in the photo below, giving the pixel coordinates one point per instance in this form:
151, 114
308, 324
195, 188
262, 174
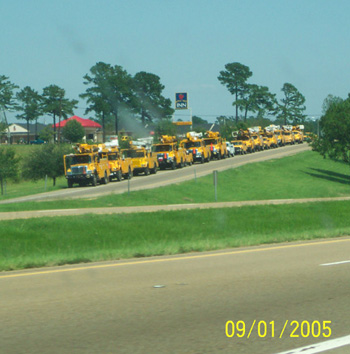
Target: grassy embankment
305, 175
52, 241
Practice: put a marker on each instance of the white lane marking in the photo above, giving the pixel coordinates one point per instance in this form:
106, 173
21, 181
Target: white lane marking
334, 263
320, 347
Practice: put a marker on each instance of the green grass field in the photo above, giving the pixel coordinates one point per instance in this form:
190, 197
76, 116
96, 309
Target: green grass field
61, 240
55, 241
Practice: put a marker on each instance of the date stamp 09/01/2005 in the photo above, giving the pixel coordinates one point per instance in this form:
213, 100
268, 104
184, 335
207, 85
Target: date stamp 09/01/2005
292, 329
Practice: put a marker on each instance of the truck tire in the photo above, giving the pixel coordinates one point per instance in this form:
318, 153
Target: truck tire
70, 183
146, 171
154, 169
119, 176
173, 165
104, 180
94, 180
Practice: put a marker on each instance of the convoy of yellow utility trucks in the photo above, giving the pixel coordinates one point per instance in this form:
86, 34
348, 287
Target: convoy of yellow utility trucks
92, 164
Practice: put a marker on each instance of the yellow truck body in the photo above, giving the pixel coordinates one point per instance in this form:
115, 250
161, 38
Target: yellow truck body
86, 166
281, 140
195, 146
288, 134
258, 141
143, 161
240, 147
119, 166
298, 133
271, 138
244, 135
216, 145
169, 155
255, 134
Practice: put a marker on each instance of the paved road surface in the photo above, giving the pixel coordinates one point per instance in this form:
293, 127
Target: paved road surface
116, 307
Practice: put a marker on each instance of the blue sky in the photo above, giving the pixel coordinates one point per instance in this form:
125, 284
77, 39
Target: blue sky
185, 43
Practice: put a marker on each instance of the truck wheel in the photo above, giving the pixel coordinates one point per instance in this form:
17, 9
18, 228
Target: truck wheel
146, 171
119, 175
70, 183
104, 179
154, 169
202, 159
181, 164
94, 180
173, 166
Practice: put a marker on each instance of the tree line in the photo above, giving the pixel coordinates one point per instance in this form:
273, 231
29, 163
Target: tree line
257, 101
333, 138
111, 91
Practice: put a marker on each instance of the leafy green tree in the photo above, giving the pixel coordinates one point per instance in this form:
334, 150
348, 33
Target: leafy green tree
3, 128
111, 88
335, 131
150, 103
73, 131
328, 101
97, 94
29, 102
46, 160
8, 165
226, 126
164, 127
47, 134
55, 104
198, 121
257, 99
292, 105
235, 79
7, 98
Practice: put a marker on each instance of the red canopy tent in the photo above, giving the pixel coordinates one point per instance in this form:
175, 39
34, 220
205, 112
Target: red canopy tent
86, 123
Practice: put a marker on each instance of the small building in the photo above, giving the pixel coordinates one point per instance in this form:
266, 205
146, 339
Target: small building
17, 133
93, 130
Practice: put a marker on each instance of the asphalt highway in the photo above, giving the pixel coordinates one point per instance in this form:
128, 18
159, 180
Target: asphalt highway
183, 304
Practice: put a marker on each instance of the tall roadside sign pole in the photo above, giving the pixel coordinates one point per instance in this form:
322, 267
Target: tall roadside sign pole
181, 103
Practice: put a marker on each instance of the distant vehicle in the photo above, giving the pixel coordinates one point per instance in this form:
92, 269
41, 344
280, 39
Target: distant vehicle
230, 149
37, 142
240, 147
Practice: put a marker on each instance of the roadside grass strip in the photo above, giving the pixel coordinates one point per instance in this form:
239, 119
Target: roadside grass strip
27, 243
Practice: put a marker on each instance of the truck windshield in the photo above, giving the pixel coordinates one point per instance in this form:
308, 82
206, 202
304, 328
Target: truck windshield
210, 141
79, 159
113, 156
134, 153
192, 144
161, 148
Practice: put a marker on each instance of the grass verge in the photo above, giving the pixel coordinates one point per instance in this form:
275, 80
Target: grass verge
63, 240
